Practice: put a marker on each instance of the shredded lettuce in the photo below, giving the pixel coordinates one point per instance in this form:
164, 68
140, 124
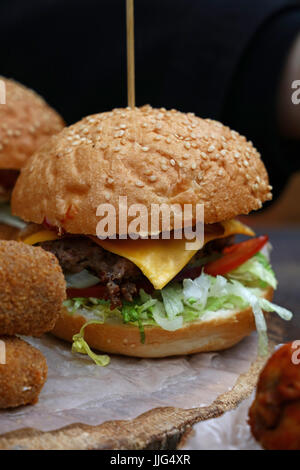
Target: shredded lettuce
81, 280
255, 272
7, 218
192, 300
80, 346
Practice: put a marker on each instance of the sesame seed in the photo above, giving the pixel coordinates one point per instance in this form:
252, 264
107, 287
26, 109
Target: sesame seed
153, 178
200, 175
203, 155
107, 196
110, 180
223, 152
245, 163
139, 184
120, 134
237, 155
168, 140
172, 162
180, 164
157, 137
187, 145
221, 172
123, 126
145, 149
117, 149
144, 124
164, 167
193, 166
186, 156
211, 148
103, 145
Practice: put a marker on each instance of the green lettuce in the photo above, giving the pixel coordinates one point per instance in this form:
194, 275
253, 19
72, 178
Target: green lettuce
255, 272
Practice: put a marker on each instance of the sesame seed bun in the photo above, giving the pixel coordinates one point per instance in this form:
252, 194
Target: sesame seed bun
220, 332
26, 122
149, 155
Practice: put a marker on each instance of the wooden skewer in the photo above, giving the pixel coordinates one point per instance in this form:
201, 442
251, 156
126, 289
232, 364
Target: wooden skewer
130, 53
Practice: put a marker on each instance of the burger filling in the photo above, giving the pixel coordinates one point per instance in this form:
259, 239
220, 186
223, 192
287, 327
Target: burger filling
219, 279
120, 278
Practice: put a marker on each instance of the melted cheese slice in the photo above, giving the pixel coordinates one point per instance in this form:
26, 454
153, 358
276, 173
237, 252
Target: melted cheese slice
159, 260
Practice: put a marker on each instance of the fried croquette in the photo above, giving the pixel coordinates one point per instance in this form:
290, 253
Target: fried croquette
274, 416
32, 289
23, 374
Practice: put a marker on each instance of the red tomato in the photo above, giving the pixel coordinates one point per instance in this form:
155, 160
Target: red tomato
235, 255
98, 291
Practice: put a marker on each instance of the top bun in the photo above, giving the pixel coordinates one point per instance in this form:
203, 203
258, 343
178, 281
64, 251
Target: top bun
26, 122
150, 156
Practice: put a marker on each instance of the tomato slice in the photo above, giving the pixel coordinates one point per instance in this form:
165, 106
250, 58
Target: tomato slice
98, 291
235, 255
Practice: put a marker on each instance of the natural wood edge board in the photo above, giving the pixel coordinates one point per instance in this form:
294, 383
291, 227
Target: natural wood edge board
160, 428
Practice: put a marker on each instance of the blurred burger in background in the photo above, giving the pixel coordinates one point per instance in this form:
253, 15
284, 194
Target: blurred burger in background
151, 297
26, 122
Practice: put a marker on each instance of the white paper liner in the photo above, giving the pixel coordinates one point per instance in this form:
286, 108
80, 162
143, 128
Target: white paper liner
79, 391
229, 432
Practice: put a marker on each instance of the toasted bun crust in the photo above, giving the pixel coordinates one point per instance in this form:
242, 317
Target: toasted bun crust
26, 122
149, 155
199, 336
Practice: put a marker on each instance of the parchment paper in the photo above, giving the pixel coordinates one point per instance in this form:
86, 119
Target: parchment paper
229, 432
79, 391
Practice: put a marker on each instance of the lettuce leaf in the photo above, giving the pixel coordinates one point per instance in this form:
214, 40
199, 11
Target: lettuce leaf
7, 218
256, 271
81, 346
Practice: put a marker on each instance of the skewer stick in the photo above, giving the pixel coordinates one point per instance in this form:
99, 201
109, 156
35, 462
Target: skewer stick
130, 53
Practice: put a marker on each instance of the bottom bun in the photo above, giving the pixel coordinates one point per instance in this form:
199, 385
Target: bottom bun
220, 332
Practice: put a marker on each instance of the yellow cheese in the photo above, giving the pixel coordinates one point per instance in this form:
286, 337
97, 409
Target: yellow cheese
159, 260
39, 237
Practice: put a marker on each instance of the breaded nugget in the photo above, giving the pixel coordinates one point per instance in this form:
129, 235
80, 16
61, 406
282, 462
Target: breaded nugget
32, 289
274, 416
7, 232
23, 374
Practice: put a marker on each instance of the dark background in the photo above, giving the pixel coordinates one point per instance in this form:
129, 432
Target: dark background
218, 58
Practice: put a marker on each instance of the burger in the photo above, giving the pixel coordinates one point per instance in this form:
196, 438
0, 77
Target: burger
136, 292
26, 122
